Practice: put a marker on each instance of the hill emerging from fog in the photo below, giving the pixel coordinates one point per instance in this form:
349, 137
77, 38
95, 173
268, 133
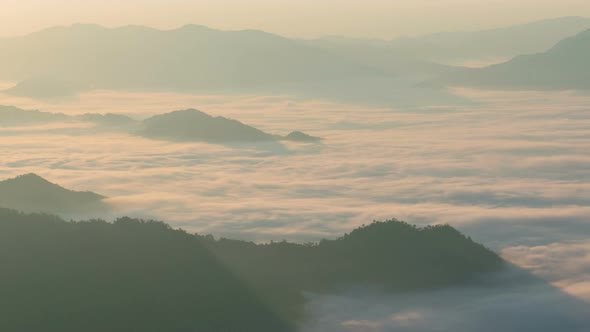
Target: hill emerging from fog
146, 276
194, 125
564, 66
32, 193
297, 136
11, 116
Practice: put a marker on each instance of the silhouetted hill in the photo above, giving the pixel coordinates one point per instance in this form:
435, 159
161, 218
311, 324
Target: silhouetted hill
126, 276
108, 119
194, 125
564, 66
32, 193
390, 254
13, 116
133, 275
491, 44
298, 136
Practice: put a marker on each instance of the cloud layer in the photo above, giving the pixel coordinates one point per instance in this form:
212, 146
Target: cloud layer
510, 169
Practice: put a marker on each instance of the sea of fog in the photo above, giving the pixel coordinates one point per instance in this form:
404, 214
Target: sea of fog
510, 169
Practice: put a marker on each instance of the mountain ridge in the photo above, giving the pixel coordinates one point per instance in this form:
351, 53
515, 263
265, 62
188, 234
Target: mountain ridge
199, 283
562, 67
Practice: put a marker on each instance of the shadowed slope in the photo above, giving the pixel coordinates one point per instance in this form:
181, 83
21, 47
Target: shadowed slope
136, 275
126, 276
133, 275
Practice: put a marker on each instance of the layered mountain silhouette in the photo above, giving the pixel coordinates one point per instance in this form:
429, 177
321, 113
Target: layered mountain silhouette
565, 66
196, 59
185, 125
108, 119
194, 125
146, 276
32, 193
500, 43
192, 57
14, 116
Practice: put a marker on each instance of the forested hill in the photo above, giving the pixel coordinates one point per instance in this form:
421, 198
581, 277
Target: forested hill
133, 275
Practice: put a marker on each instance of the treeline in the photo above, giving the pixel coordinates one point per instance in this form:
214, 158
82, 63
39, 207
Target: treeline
134, 275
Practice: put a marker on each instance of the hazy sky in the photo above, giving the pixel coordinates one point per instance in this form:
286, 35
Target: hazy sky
298, 18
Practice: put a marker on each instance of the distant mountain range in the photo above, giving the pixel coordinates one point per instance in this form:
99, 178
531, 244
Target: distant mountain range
133, 275
565, 66
192, 58
13, 116
62, 61
185, 125
501, 43
32, 193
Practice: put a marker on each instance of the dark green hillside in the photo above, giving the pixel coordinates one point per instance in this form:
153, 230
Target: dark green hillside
127, 276
391, 254
133, 275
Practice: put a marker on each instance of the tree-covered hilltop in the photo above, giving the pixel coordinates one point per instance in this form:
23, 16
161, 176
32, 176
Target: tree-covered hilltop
391, 254
134, 275
126, 276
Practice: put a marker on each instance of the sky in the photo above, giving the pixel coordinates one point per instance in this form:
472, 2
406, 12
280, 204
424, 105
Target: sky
384, 19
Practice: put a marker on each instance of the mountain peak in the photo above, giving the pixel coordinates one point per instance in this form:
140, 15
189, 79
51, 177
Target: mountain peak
28, 178
33, 193
298, 136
